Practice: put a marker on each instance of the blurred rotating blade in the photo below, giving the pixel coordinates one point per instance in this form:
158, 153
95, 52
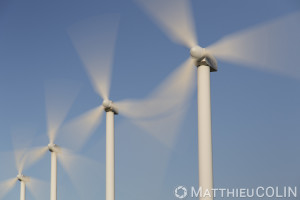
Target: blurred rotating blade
174, 18
34, 154
272, 46
60, 96
38, 188
161, 113
76, 132
6, 186
21, 140
83, 172
20, 159
27, 157
163, 128
94, 39
174, 92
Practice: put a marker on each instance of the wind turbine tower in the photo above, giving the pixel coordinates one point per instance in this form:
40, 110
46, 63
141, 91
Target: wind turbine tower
54, 149
23, 180
110, 110
205, 64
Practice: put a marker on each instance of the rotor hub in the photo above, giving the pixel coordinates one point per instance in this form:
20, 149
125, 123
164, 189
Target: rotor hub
23, 178
53, 148
109, 106
203, 57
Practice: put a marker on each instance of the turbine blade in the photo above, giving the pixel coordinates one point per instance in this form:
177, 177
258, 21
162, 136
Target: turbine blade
6, 186
25, 158
94, 39
162, 112
21, 141
163, 128
38, 188
172, 94
19, 155
82, 172
174, 18
34, 154
273, 46
76, 132
60, 96
24, 155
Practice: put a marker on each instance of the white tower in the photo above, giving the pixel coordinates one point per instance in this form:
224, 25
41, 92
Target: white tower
111, 110
23, 180
54, 149
205, 63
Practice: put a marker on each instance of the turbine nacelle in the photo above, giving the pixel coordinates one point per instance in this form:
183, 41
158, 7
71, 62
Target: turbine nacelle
110, 107
23, 178
203, 57
54, 148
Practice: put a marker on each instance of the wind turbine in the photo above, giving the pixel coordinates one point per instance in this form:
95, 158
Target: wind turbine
94, 40
268, 47
24, 158
60, 96
23, 180
7, 185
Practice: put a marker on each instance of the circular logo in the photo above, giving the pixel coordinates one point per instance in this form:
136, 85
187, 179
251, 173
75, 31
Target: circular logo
180, 192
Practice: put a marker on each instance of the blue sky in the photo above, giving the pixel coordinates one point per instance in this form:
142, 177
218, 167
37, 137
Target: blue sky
255, 114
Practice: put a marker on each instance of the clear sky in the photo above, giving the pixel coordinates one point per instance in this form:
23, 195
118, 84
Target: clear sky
255, 114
